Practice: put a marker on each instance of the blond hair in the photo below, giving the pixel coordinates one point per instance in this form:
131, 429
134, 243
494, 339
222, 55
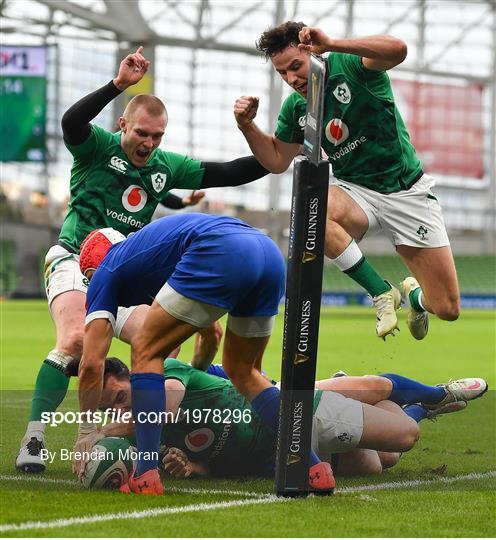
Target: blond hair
151, 104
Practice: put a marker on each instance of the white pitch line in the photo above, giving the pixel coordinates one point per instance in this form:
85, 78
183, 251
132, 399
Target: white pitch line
150, 512
40, 479
415, 483
170, 489
203, 506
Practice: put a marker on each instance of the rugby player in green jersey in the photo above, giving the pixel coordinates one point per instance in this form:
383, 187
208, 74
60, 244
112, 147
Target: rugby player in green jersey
364, 423
117, 180
379, 184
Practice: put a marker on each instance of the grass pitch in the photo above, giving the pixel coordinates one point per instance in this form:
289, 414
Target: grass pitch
443, 487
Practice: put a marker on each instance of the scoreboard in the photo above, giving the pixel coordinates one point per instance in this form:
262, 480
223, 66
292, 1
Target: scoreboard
23, 103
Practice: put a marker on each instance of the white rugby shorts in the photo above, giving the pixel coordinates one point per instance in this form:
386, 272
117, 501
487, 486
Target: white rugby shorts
62, 274
411, 217
203, 315
337, 424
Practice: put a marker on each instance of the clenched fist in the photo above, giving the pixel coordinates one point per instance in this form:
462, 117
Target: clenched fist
245, 110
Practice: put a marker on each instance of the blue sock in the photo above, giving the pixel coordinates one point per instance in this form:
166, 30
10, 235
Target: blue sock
147, 396
407, 391
218, 371
266, 405
416, 411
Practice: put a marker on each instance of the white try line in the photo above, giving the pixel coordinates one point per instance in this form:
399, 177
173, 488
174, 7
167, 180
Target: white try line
170, 489
415, 483
262, 499
139, 514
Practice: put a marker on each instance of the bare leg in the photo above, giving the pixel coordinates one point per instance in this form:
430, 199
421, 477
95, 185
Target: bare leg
160, 334
241, 359
68, 313
389, 459
369, 389
359, 462
387, 428
134, 323
435, 271
345, 220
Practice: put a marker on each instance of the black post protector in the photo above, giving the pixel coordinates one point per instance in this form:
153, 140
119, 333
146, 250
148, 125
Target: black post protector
301, 325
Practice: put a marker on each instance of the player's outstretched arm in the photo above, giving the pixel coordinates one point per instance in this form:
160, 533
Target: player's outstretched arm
232, 173
131, 70
97, 340
272, 153
76, 120
378, 53
178, 465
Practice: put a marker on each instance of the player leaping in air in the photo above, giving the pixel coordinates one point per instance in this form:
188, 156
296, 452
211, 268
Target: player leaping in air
379, 184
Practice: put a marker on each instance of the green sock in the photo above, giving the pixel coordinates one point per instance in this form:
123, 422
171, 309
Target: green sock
415, 300
50, 389
368, 278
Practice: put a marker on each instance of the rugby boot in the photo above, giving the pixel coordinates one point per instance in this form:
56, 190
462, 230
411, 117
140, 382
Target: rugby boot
386, 305
29, 457
417, 321
453, 406
148, 483
321, 479
460, 390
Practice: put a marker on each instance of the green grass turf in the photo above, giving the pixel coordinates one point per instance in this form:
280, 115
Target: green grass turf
457, 444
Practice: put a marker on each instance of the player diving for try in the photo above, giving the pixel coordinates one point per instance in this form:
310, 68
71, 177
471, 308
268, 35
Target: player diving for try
364, 423
192, 269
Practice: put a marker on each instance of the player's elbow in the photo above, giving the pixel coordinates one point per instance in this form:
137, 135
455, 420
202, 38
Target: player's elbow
278, 168
400, 50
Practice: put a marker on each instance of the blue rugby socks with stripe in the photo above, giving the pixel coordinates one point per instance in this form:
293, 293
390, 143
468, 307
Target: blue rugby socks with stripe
148, 405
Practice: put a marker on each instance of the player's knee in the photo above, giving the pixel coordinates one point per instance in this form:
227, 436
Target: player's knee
71, 342
89, 368
240, 376
410, 436
449, 310
389, 459
374, 467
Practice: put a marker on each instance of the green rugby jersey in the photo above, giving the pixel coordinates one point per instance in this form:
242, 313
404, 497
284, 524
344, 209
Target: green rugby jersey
363, 132
107, 190
205, 435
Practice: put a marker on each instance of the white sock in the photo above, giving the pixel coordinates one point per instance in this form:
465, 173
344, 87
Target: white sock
419, 300
351, 256
36, 429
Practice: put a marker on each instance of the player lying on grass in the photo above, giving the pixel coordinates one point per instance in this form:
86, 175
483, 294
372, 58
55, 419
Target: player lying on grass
192, 269
364, 423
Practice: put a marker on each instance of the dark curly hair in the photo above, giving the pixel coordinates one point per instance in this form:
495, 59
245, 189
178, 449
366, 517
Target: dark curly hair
113, 366
275, 40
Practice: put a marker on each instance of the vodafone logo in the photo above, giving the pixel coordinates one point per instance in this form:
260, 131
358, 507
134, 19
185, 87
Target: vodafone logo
337, 131
199, 439
134, 198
